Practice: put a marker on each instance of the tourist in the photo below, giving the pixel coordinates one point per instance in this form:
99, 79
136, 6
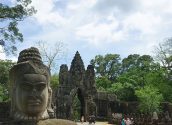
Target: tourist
154, 117
113, 115
132, 121
123, 122
82, 119
167, 117
128, 122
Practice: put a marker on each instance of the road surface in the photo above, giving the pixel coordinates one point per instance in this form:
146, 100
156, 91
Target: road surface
97, 123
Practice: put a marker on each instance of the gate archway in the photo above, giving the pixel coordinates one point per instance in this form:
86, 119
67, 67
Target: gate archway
78, 103
76, 84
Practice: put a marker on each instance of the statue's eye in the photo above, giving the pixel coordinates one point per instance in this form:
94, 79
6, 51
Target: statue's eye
40, 87
26, 86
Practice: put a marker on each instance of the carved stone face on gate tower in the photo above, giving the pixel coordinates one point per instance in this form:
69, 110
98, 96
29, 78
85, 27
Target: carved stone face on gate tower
30, 91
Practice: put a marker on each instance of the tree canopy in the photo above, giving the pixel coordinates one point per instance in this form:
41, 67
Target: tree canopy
9, 18
107, 66
150, 99
125, 77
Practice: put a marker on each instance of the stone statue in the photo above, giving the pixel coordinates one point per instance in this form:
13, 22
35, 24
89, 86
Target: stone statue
30, 91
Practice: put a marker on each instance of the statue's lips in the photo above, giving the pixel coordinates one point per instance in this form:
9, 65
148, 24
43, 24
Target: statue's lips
34, 102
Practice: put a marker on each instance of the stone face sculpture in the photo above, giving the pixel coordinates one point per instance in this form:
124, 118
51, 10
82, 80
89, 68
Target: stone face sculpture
30, 93
89, 82
63, 74
77, 70
30, 89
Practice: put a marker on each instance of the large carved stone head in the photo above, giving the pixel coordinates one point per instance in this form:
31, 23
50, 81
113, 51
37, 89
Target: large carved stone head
30, 89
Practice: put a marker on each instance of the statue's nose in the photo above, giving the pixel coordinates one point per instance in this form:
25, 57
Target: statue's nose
34, 91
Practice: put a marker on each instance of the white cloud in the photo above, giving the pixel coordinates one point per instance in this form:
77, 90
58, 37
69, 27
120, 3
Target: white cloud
101, 23
116, 6
46, 15
145, 23
2, 55
73, 15
96, 32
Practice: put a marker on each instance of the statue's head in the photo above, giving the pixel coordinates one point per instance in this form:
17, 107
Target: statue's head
30, 89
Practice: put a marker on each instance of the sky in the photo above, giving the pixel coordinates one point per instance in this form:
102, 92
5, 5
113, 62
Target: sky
97, 27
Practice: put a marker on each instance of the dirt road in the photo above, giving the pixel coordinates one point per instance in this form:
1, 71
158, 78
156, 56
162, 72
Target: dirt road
97, 123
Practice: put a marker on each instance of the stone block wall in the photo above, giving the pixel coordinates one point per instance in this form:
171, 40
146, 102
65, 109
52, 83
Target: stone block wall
4, 111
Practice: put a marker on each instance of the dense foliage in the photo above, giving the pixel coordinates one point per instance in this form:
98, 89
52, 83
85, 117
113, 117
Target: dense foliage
107, 66
54, 81
137, 77
5, 66
150, 99
9, 18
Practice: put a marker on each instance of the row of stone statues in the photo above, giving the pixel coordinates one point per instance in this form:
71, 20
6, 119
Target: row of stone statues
30, 91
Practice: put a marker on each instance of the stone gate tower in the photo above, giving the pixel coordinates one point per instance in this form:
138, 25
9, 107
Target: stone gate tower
76, 82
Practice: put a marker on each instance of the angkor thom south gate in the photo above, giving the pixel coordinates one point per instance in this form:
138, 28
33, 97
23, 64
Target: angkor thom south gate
80, 83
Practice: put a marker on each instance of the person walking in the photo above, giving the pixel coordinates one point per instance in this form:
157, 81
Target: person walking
82, 119
123, 122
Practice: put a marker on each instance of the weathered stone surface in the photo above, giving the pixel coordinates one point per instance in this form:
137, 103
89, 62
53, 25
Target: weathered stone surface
30, 87
89, 81
31, 94
76, 82
77, 70
63, 75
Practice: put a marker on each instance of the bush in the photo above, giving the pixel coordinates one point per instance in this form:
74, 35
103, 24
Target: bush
149, 99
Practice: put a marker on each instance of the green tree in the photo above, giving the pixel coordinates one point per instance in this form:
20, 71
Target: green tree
54, 81
143, 70
158, 78
124, 88
133, 76
150, 99
137, 71
137, 67
1, 94
5, 66
107, 66
9, 18
103, 84
130, 62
